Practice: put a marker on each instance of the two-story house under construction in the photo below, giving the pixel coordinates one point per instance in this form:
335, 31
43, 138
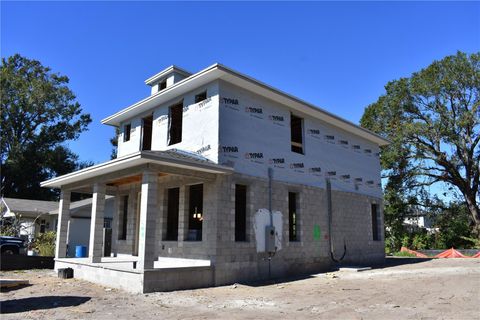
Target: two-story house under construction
221, 178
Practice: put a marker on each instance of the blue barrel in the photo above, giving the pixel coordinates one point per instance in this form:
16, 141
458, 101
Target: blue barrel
80, 251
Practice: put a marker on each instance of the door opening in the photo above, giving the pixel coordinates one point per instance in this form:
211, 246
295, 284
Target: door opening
147, 133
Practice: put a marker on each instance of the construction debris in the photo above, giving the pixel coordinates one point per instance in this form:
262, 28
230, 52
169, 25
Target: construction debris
416, 253
10, 283
451, 253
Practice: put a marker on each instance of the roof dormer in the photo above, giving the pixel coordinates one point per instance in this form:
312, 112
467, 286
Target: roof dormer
166, 78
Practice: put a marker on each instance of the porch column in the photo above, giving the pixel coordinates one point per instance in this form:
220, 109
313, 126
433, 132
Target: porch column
115, 222
95, 253
183, 216
62, 224
148, 215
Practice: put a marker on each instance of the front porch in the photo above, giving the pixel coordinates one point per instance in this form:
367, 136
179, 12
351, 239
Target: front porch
155, 246
121, 273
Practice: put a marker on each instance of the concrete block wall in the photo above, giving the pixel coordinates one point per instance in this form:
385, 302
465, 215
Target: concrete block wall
352, 224
177, 279
204, 249
126, 247
239, 261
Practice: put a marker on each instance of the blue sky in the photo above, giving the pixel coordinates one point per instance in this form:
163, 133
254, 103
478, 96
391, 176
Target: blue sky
338, 55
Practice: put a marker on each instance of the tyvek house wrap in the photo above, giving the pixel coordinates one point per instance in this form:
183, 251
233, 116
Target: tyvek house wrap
255, 135
199, 129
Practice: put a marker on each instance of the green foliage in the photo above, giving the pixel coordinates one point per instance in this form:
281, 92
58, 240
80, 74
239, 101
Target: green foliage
432, 119
11, 226
474, 241
114, 143
421, 241
406, 241
45, 243
404, 254
454, 226
8, 230
39, 113
390, 247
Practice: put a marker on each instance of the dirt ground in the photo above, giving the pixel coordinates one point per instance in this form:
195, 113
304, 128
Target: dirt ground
405, 289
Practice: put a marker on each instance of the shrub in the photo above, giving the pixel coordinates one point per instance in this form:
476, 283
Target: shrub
45, 243
421, 241
8, 230
406, 240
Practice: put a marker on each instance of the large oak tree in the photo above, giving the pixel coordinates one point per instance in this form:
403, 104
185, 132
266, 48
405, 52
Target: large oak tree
39, 113
433, 121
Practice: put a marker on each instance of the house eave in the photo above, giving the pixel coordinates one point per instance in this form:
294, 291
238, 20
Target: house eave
203, 77
131, 161
166, 71
218, 71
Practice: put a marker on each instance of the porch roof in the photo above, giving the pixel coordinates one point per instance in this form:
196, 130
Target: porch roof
170, 158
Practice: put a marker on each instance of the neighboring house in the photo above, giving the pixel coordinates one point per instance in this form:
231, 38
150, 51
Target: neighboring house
220, 179
33, 215
420, 220
36, 216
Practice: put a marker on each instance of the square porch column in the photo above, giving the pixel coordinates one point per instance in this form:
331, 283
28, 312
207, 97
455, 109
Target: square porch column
183, 215
148, 216
95, 253
117, 206
62, 224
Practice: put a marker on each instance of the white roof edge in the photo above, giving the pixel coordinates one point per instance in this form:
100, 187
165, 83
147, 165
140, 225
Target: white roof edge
108, 120
54, 181
6, 205
164, 72
129, 161
338, 121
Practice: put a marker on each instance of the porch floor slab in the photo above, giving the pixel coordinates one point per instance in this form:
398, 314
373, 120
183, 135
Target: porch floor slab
126, 263
118, 272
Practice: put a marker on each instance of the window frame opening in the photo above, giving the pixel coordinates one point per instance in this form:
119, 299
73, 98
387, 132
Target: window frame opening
195, 212
240, 213
43, 226
201, 96
107, 223
127, 129
296, 134
173, 214
376, 235
147, 133
122, 234
162, 85
293, 217
175, 124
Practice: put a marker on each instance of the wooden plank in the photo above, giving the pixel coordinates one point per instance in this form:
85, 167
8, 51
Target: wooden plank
9, 283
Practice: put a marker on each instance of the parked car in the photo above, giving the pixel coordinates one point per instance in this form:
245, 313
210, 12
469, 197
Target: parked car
12, 245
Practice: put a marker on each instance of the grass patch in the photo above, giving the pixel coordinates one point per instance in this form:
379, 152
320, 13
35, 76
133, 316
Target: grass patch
404, 254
